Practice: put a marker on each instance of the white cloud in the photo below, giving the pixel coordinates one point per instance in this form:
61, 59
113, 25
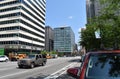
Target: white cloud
79, 30
70, 17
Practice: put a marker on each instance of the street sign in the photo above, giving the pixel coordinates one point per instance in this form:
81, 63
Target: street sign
97, 33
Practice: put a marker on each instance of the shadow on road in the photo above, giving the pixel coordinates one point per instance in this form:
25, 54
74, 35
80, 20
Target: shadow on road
27, 67
65, 76
74, 60
38, 77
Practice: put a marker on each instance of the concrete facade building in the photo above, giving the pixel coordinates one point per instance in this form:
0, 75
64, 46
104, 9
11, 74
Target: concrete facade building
64, 40
49, 38
93, 8
22, 25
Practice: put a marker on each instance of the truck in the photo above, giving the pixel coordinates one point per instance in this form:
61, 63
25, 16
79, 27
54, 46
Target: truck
32, 60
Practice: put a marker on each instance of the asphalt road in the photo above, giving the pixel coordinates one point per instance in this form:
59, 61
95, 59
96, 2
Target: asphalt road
54, 69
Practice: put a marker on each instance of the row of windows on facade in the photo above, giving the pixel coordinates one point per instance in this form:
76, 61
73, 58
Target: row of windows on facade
62, 37
21, 21
62, 31
18, 1
19, 13
67, 48
20, 28
9, 3
37, 7
64, 49
42, 3
36, 2
22, 36
63, 34
20, 7
33, 20
63, 42
19, 42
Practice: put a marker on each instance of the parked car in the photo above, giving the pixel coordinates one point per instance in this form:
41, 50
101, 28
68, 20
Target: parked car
4, 58
98, 65
32, 60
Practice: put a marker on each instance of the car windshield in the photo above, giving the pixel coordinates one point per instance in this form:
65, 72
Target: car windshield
2, 56
103, 66
31, 56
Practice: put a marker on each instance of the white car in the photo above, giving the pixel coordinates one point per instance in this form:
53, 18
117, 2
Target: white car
4, 58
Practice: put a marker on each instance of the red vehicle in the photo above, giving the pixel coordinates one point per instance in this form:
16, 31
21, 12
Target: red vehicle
98, 65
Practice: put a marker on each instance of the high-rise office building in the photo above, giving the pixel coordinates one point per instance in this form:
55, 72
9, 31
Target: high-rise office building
64, 40
49, 38
93, 8
90, 9
22, 26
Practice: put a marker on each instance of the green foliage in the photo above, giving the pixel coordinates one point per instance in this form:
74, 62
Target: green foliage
43, 52
88, 38
60, 54
109, 24
53, 52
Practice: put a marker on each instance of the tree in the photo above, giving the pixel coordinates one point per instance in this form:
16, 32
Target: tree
109, 24
43, 52
53, 52
110, 14
88, 38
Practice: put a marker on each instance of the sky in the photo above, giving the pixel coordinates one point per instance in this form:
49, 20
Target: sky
66, 13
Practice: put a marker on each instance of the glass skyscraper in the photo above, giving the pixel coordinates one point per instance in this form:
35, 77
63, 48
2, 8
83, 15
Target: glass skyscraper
93, 8
22, 25
64, 40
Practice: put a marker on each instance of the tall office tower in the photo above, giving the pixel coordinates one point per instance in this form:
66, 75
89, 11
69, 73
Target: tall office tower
22, 26
90, 9
93, 8
64, 40
49, 38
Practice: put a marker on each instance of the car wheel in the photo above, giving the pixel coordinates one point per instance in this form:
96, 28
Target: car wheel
32, 65
6, 60
43, 64
20, 66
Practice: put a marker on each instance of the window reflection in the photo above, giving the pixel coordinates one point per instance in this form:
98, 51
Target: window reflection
103, 66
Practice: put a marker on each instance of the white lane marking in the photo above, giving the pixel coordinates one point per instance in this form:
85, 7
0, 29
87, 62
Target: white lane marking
69, 67
19, 73
59, 72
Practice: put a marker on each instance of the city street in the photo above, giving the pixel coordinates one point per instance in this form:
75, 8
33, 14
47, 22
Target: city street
54, 69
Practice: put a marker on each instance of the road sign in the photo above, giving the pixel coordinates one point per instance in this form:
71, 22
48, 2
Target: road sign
97, 33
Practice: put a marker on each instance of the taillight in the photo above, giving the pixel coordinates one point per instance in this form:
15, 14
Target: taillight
83, 69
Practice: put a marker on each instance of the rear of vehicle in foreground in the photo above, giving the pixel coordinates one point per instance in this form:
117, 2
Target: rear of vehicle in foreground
98, 65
